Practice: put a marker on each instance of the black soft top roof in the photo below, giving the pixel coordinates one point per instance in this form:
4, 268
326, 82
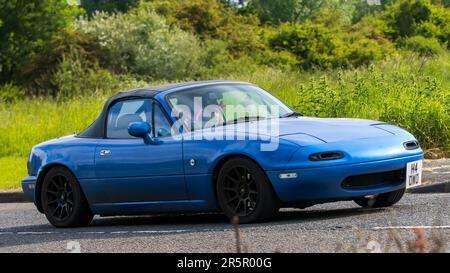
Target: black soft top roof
97, 128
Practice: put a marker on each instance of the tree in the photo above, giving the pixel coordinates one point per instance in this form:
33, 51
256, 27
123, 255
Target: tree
404, 16
445, 3
26, 27
277, 11
110, 6
212, 19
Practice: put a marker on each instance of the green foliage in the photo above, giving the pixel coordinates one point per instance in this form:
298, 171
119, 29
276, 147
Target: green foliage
39, 72
337, 12
278, 59
363, 9
10, 92
109, 6
423, 46
298, 11
438, 26
279, 11
218, 62
141, 42
361, 44
211, 19
26, 28
406, 18
311, 43
74, 78
317, 45
405, 15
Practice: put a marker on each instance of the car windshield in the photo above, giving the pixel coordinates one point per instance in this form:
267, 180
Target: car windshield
218, 105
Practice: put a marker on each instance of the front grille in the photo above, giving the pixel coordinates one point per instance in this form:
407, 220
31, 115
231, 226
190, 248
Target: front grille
370, 180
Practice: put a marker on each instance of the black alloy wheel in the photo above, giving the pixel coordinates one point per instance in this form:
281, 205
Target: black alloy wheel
59, 197
63, 201
244, 191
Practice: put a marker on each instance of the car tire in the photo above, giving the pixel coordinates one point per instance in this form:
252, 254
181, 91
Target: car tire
382, 200
63, 201
245, 192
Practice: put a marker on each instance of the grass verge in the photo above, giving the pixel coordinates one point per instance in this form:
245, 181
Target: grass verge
12, 170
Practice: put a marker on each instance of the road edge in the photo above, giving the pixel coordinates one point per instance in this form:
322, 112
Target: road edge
13, 197
443, 187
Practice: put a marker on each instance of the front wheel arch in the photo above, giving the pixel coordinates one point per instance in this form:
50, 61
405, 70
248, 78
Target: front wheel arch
226, 158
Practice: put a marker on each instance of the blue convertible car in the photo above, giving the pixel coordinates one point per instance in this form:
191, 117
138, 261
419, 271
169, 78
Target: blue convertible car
216, 146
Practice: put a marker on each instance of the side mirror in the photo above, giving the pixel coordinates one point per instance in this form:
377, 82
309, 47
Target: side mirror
142, 130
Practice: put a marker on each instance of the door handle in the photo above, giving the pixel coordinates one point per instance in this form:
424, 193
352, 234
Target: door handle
105, 152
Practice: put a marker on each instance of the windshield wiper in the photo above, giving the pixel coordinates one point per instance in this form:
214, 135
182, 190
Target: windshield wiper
244, 119
292, 114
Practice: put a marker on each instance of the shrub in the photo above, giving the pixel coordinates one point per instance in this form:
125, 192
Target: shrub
404, 16
311, 43
74, 78
407, 18
216, 53
38, 72
423, 46
110, 6
316, 45
361, 44
212, 19
10, 92
438, 26
278, 59
141, 42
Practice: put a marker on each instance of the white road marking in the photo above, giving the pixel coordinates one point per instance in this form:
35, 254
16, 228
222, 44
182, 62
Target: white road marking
411, 227
119, 232
36, 232
160, 231
154, 232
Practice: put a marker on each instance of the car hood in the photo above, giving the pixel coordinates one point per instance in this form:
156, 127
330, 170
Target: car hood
324, 129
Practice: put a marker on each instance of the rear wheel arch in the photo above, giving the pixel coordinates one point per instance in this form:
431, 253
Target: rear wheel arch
40, 180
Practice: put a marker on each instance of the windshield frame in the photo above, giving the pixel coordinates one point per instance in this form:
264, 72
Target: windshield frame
279, 102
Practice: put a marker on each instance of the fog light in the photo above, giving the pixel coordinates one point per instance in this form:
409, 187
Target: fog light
288, 175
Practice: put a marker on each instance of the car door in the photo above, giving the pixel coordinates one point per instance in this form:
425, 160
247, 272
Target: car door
131, 171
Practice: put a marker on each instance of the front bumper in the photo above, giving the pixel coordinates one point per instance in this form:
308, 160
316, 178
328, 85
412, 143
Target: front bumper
29, 187
325, 183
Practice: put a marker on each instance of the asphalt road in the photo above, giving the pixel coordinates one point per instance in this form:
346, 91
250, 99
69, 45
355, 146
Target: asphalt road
335, 227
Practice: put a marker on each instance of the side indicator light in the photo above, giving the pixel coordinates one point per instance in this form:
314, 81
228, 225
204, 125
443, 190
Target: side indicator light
288, 175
